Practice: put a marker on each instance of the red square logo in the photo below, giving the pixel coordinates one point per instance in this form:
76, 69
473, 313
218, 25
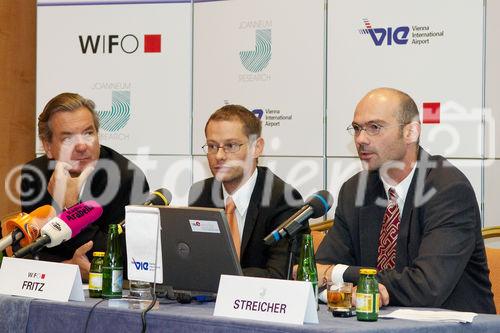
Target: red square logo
43, 276
152, 43
432, 112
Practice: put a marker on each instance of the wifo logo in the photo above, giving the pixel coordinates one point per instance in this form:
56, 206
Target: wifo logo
389, 35
116, 118
39, 276
432, 112
258, 59
109, 44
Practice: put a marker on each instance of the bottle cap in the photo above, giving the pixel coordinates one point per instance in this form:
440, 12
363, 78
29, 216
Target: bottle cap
98, 254
368, 271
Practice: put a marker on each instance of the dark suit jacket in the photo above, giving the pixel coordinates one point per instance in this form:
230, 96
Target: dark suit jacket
440, 256
272, 202
115, 183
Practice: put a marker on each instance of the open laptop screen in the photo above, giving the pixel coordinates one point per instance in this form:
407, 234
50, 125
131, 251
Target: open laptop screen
196, 248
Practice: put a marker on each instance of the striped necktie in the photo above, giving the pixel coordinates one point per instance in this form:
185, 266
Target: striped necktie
389, 234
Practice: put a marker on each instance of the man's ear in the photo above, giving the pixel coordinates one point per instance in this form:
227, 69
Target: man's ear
48, 148
412, 132
258, 148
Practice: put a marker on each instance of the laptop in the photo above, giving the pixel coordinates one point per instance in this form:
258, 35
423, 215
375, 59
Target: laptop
196, 249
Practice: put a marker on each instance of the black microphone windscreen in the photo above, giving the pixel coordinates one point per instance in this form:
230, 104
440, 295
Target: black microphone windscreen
320, 202
159, 197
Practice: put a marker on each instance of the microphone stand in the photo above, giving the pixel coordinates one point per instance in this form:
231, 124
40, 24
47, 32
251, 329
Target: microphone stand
292, 245
31, 249
34, 252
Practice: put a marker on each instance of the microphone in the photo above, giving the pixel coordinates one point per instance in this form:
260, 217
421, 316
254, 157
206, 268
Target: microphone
160, 197
317, 205
66, 225
25, 227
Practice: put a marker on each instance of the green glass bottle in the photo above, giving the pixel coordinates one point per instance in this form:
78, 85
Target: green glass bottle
95, 275
367, 296
307, 264
112, 270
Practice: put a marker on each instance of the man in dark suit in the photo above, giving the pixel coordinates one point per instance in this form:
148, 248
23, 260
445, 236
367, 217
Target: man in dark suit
256, 200
413, 216
77, 168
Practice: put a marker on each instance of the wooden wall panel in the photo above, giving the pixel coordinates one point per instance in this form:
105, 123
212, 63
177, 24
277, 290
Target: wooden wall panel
17, 91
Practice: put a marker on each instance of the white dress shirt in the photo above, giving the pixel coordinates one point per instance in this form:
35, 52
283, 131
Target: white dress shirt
241, 198
401, 189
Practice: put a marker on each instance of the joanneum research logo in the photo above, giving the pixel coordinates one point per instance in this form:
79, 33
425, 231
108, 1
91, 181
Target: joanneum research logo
258, 59
115, 119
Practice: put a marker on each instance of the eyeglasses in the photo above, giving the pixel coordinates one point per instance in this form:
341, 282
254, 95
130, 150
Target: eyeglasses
370, 129
213, 148
87, 137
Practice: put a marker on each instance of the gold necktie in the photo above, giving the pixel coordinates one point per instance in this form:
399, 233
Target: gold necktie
233, 224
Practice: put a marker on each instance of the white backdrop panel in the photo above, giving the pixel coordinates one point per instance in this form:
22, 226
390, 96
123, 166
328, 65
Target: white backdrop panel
492, 89
305, 174
472, 168
200, 168
432, 56
170, 172
266, 55
341, 169
338, 171
491, 186
132, 60
91, 2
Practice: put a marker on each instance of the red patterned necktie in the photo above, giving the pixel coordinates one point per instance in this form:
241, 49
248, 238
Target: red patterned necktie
233, 224
389, 234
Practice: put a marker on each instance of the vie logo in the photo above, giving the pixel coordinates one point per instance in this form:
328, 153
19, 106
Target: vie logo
389, 35
108, 44
140, 265
258, 113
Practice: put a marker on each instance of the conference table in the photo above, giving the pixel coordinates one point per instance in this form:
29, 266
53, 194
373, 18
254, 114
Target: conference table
20, 314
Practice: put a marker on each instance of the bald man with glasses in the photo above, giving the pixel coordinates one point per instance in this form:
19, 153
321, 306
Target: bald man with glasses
256, 200
411, 215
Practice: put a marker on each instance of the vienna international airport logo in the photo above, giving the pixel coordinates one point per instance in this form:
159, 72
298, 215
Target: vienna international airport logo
112, 44
416, 35
272, 117
115, 119
257, 60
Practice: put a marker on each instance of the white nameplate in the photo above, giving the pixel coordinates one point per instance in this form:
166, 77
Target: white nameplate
143, 243
281, 301
41, 279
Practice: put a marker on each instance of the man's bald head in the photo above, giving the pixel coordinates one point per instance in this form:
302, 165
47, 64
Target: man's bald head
407, 110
